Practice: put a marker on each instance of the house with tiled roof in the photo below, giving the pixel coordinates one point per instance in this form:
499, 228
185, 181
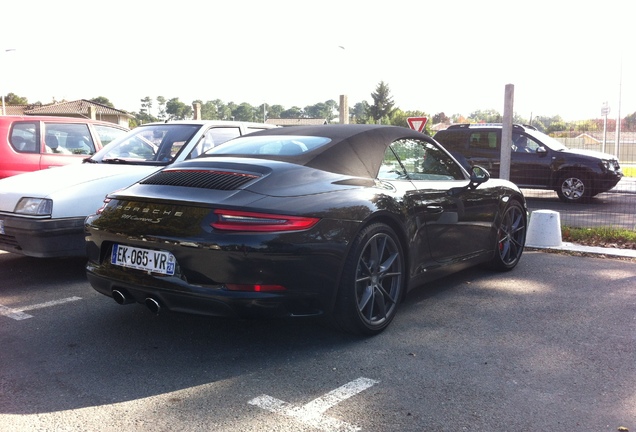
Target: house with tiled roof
296, 121
80, 108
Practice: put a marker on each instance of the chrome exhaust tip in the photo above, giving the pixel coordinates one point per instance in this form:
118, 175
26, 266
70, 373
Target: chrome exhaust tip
122, 298
153, 305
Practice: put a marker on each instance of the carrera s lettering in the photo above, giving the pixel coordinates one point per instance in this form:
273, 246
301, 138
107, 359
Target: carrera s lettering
143, 259
142, 219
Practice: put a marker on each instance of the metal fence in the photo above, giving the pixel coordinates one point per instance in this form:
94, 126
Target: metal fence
613, 209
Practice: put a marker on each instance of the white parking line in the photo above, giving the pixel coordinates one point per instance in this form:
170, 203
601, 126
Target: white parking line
18, 313
311, 414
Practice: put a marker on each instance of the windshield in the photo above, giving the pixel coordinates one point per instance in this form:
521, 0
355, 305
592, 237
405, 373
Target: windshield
547, 140
269, 145
153, 144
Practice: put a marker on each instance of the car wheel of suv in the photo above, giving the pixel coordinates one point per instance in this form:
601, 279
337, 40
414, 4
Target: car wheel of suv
573, 188
511, 237
372, 282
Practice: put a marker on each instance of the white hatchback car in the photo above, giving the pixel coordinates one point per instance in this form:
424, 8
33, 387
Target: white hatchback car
42, 213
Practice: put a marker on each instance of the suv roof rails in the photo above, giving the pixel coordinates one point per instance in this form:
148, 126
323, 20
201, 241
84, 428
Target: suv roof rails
479, 125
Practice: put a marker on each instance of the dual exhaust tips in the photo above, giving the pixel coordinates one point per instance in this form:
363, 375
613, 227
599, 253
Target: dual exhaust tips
123, 298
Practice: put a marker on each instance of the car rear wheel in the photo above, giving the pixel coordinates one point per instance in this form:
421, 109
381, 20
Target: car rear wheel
573, 188
372, 282
511, 237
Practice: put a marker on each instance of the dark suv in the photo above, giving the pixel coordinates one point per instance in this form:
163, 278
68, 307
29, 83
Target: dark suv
537, 161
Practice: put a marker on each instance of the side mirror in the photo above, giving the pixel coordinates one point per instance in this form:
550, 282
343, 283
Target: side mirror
478, 175
542, 150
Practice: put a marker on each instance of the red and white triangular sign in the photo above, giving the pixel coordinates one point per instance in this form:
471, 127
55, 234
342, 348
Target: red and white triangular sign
417, 123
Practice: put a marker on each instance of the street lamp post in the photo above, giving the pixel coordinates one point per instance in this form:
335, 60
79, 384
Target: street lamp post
604, 112
344, 100
4, 111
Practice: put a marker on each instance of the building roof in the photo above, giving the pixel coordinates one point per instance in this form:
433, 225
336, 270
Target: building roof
296, 121
14, 109
609, 136
78, 107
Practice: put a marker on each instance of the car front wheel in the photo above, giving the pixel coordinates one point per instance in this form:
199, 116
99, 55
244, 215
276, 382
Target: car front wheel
372, 282
511, 237
573, 188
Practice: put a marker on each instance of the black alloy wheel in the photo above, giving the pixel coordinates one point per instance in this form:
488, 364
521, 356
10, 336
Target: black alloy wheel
511, 237
373, 281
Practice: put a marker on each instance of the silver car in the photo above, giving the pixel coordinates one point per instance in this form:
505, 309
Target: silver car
42, 213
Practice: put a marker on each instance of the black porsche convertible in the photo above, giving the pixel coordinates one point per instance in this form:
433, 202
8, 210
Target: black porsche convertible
332, 220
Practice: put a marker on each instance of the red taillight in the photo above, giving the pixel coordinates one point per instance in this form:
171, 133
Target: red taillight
107, 199
255, 287
105, 203
232, 220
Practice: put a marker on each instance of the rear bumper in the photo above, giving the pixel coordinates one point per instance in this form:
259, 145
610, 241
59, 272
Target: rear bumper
174, 294
43, 238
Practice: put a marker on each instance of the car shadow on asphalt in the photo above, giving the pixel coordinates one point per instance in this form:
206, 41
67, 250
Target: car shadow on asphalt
99, 352
17, 271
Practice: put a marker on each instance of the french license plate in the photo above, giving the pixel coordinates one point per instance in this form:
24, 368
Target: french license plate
2, 227
143, 259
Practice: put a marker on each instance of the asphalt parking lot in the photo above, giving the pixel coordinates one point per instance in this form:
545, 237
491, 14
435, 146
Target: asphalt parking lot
549, 346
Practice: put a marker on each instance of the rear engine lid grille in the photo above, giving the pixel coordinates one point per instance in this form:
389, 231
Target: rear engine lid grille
204, 179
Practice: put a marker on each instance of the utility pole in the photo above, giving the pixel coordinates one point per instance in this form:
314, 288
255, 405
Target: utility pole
618, 115
604, 112
506, 132
4, 111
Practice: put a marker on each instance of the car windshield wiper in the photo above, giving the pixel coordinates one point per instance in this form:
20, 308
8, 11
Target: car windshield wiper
115, 161
89, 160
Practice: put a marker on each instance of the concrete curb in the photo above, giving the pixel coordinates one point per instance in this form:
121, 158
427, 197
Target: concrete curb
573, 247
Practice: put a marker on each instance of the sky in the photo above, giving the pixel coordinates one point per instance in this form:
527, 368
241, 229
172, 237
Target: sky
563, 58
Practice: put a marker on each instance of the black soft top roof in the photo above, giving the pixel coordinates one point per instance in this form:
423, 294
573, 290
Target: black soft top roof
355, 150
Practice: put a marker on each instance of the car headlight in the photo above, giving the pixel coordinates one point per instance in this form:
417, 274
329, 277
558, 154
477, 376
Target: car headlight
34, 206
609, 165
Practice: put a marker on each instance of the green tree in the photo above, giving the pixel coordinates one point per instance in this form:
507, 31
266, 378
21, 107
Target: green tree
485, 116
398, 118
556, 126
142, 117
382, 102
244, 112
102, 101
224, 111
274, 111
630, 122
458, 118
146, 105
585, 126
178, 110
440, 117
293, 112
209, 111
327, 110
548, 124
332, 110
161, 107
360, 113
14, 99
